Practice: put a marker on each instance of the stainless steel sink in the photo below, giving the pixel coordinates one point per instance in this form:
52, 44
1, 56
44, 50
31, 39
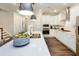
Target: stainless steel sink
35, 36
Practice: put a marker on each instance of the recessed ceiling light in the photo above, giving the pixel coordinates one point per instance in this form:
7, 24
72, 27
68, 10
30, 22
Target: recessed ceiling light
13, 3
55, 10
65, 3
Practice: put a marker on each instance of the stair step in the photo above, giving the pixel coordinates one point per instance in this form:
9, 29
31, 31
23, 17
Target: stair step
1, 42
5, 34
4, 41
6, 37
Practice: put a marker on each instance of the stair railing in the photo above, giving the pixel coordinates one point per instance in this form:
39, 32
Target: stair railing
1, 29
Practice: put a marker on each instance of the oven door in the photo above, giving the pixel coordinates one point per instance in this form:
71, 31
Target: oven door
46, 32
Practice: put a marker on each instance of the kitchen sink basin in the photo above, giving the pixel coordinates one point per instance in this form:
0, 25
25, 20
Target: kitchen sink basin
35, 36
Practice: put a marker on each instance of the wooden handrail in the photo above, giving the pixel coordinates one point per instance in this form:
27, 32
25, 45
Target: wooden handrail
1, 33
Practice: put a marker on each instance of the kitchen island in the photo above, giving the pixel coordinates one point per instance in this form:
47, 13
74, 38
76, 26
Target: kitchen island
37, 47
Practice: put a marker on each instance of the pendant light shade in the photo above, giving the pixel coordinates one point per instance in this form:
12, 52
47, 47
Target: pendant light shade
33, 17
26, 9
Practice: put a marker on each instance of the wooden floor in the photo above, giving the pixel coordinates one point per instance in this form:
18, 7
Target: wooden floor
56, 48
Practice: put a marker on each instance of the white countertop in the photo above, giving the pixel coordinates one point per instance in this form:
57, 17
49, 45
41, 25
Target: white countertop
37, 47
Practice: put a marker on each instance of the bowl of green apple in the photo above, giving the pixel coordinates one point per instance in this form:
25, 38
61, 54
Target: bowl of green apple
21, 39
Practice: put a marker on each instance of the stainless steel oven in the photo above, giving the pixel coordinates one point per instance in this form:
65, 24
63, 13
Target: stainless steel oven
46, 30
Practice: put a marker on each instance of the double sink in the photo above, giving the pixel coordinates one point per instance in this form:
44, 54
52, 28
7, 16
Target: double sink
36, 35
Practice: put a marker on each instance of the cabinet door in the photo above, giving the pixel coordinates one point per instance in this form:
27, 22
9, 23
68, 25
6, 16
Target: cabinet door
71, 41
68, 39
59, 35
53, 33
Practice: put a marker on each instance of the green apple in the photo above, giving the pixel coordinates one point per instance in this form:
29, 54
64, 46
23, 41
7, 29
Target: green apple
23, 35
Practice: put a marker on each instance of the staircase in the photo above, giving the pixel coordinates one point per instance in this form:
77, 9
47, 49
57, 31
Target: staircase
4, 37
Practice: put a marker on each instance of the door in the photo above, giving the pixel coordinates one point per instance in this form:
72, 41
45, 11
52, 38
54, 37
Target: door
77, 35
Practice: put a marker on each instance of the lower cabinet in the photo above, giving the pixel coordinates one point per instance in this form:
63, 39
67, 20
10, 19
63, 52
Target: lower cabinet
53, 33
68, 39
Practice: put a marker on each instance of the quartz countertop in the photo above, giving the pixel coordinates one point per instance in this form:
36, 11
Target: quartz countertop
37, 47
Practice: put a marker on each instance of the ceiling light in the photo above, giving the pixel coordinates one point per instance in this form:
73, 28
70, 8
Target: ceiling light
26, 9
25, 12
65, 3
55, 10
33, 17
13, 3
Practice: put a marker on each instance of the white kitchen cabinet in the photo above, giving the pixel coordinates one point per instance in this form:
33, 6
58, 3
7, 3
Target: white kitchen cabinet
68, 39
52, 32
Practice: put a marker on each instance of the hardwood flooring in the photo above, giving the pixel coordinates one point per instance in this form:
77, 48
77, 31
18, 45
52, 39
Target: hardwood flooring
56, 48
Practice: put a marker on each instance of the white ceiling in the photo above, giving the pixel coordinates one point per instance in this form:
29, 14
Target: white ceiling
45, 7
49, 8
7, 7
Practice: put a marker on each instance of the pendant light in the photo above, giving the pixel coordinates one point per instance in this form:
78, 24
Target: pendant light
33, 17
26, 9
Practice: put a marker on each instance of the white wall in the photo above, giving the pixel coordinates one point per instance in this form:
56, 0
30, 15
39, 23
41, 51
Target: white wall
74, 12
12, 22
37, 24
19, 23
6, 21
71, 25
62, 17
